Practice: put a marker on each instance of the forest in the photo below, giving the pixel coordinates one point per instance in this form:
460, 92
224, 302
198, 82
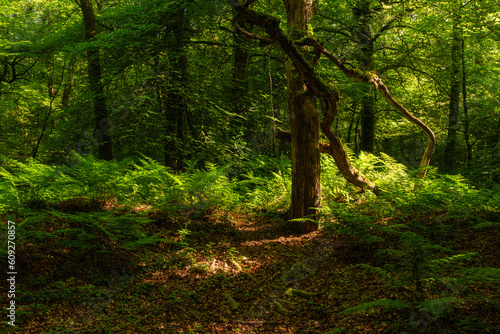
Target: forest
250, 166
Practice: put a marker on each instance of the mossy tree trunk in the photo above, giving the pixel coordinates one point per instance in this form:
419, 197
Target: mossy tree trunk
301, 104
305, 127
101, 120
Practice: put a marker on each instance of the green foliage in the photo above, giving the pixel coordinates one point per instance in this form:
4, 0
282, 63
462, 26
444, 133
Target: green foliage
437, 307
148, 182
402, 193
267, 184
386, 304
210, 186
31, 184
89, 231
217, 128
70, 290
415, 271
417, 265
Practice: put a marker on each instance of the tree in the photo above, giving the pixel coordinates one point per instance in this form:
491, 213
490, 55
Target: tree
240, 74
171, 70
454, 110
102, 124
313, 85
366, 43
305, 125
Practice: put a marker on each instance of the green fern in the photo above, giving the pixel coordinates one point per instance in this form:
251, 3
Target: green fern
386, 304
377, 270
437, 307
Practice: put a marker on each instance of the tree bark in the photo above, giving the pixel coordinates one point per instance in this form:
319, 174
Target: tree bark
305, 127
312, 84
449, 154
172, 91
45, 119
240, 74
465, 106
364, 57
68, 87
101, 120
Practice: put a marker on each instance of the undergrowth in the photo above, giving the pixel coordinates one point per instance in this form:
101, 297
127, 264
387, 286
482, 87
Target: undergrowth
424, 219
413, 229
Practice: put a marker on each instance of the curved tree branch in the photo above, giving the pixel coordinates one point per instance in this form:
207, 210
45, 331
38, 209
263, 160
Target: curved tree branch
262, 39
373, 79
319, 88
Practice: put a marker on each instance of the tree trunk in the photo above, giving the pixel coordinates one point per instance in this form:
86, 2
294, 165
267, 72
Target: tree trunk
101, 120
367, 118
449, 154
312, 84
305, 127
468, 144
364, 57
240, 78
351, 123
172, 91
68, 86
45, 118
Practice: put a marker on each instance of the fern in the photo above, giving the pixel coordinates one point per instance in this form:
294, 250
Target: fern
485, 224
30, 184
268, 191
437, 307
377, 270
386, 304
486, 274
89, 231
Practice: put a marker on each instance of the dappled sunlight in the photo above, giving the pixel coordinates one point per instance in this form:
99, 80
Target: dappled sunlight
251, 167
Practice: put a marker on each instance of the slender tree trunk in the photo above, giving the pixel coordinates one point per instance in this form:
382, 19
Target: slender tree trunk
497, 139
102, 124
68, 86
465, 106
351, 123
240, 75
449, 155
45, 121
367, 121
173, 100
356, 135
365, 40
305, 127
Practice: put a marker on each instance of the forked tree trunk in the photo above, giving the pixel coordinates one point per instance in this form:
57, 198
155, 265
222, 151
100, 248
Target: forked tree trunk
101, 120
302, 108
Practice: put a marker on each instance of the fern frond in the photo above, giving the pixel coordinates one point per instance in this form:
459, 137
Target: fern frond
386, 304
377, 270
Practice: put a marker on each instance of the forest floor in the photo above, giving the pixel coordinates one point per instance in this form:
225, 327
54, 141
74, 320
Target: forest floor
246, 273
